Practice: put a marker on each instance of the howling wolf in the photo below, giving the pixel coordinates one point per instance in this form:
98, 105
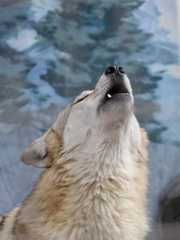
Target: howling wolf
94, 182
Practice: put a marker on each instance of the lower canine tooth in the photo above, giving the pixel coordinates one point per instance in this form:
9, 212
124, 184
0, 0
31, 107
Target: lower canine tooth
109, 95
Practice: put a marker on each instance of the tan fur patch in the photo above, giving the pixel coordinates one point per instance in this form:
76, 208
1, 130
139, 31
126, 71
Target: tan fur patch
2, 221
54, 144
6, 231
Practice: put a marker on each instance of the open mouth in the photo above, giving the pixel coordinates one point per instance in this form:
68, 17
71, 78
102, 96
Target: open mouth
116, 90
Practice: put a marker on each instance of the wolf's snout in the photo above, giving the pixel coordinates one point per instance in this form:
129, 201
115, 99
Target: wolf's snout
117, 84
114, 87
114, 69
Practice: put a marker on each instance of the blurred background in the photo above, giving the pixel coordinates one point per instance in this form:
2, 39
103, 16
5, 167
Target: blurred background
50, 50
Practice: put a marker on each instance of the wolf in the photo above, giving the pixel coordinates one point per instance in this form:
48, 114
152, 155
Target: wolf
94, 182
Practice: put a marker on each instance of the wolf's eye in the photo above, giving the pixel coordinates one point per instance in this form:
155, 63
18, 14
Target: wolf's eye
82, 96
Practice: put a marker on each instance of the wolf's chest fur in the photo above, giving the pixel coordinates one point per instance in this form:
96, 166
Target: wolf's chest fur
87, 199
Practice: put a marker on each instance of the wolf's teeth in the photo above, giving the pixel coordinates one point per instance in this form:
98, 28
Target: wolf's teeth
109, 95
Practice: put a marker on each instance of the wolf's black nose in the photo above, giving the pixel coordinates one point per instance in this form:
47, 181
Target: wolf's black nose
121, 70
110, 70
114, 69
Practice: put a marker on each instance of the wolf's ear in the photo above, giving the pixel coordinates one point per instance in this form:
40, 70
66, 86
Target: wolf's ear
44, 150
36, 154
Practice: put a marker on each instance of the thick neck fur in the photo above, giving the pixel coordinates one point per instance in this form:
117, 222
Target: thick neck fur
92, 195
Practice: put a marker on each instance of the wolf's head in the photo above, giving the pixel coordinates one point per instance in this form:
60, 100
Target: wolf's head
99, 117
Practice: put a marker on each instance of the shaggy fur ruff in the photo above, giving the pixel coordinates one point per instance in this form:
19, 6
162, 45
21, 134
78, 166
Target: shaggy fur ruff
79, 199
